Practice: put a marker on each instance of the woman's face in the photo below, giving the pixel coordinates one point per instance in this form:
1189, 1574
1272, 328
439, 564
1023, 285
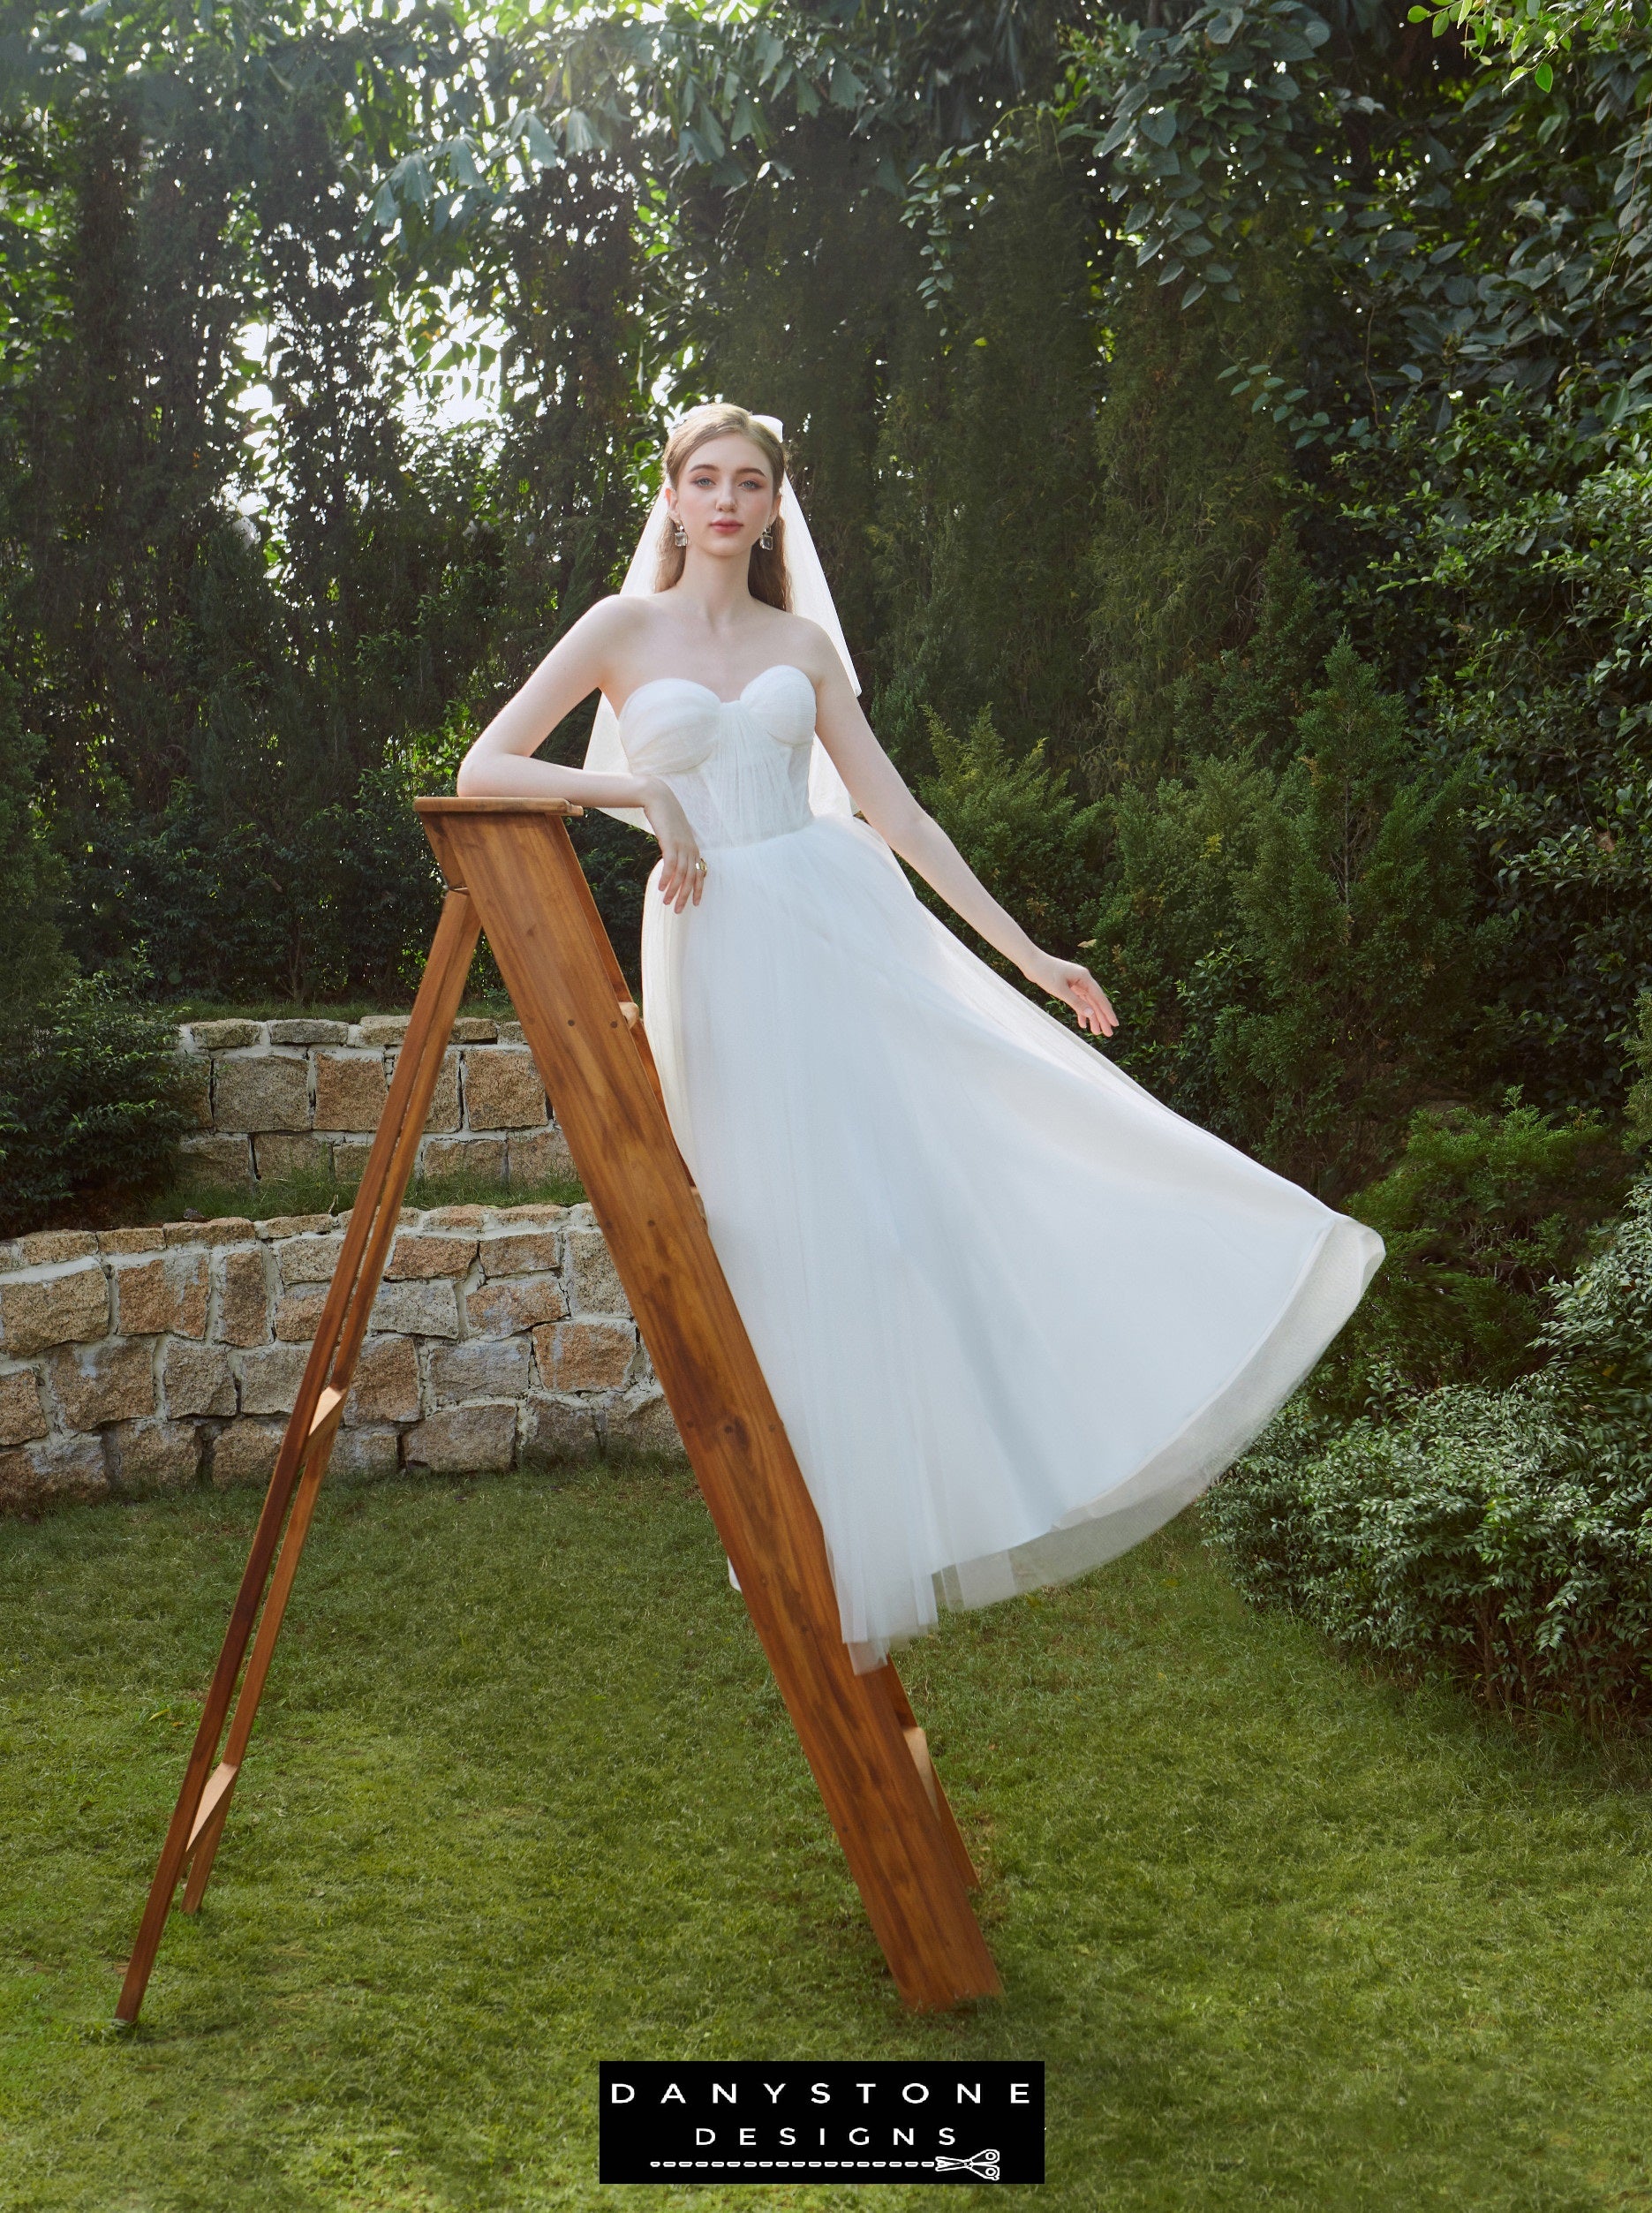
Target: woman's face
724, 496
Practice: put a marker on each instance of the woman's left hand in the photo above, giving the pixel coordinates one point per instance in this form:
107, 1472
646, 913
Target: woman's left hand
1065, 980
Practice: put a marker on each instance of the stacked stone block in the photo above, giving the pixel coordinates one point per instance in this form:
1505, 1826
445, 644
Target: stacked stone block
132, 1360
274, 1097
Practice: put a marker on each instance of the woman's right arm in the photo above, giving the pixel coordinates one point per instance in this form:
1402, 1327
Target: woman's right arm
499, 765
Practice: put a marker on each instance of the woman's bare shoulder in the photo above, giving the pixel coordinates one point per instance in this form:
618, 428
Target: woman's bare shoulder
805, 642
603, 642
614, 619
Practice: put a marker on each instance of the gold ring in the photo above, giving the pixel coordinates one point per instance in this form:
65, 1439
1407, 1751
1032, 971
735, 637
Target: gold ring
699, 868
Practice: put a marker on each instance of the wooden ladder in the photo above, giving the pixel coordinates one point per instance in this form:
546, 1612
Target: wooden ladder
511, 869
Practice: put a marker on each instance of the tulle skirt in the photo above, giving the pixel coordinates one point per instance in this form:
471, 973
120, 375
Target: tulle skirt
1014, 1312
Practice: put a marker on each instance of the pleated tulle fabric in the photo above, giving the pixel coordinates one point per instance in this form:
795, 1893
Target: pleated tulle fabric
1014, 1312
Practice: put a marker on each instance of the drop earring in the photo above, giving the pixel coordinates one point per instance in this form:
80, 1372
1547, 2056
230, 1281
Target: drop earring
767, 542
679, 536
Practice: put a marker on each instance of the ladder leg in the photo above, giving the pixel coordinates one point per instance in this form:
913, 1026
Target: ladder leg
219, 1693
332, 1360
203, 1841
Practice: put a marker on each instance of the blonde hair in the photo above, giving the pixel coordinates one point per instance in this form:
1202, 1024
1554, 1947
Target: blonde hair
765, 576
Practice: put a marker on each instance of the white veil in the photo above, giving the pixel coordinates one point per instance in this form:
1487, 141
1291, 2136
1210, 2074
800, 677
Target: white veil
810, 595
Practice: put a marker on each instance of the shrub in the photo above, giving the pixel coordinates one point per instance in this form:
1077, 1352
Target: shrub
1599, 1338
1167, 936
1297, 950
1357, 920
92, 1106
344, 901
1021, 830
340, 904
89, 1087
1503, 1536
1467, 1539
1483, 1211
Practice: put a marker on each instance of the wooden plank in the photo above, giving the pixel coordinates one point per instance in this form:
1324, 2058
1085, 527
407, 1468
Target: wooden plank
536, 910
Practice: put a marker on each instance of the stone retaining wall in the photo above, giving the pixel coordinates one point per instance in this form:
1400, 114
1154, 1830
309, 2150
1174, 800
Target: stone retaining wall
132, 1360
272, 1098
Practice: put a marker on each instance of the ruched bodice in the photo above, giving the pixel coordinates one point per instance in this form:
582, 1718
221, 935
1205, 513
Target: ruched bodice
739, 766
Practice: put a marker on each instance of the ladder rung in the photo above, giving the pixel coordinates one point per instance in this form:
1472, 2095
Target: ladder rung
217, 1785
917, 1745
326, 1407
632, 1011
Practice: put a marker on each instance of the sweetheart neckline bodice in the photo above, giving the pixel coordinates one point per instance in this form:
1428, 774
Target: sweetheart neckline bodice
740, 768
694, 685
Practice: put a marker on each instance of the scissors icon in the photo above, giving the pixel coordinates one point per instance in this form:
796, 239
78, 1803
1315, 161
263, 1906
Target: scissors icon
984, 2163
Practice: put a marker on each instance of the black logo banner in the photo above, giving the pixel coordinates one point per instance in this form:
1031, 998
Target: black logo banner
844, 2120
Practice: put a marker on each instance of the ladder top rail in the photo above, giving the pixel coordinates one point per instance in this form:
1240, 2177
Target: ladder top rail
497, 806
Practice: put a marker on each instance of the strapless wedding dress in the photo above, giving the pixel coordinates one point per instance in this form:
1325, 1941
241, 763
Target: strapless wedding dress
1014, 1311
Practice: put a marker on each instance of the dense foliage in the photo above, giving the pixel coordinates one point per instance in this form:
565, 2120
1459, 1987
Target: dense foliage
1228, 429
1120, 356
1019, 827
90, 1104
1483, 1213
1504, 1536
1297, 947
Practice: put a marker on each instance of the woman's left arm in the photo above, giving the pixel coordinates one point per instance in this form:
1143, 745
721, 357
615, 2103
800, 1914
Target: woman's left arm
879, 791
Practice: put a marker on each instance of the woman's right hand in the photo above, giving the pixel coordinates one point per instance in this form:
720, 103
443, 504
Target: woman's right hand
1067, 980
681, 880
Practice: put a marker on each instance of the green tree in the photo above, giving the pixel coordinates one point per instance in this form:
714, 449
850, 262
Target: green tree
1296, 956
1167, 938
986, 503
1247, 700
1019, 826
35, 968
1356, 921
1192, 499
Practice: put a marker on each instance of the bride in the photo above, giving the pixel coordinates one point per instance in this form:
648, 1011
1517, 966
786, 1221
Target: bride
1014, 1312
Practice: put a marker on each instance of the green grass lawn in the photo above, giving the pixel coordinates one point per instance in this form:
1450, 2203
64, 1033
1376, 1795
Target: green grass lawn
492, 1006
307, 1192
522, 1796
